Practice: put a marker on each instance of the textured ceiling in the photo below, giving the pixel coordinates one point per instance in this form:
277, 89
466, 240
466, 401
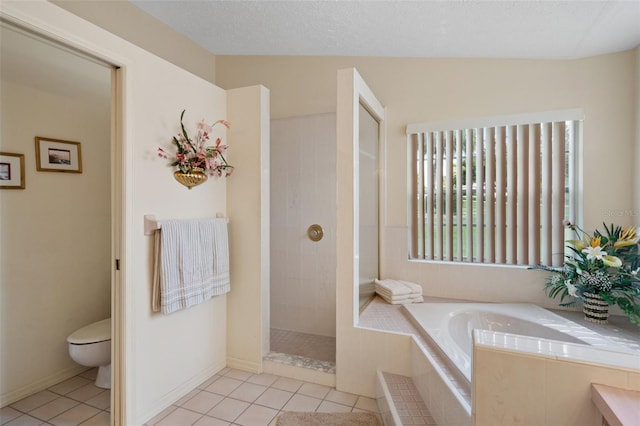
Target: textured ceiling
426, 28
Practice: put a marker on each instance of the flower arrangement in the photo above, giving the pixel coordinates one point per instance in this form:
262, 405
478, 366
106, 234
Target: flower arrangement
605, 264
195, 154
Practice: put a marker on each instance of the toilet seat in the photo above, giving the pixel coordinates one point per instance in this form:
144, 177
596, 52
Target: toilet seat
93, 333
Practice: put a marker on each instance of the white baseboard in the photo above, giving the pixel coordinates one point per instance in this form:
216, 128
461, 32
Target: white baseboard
40, 385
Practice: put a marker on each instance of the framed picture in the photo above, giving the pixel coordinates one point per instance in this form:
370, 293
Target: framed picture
56, 155
11, 171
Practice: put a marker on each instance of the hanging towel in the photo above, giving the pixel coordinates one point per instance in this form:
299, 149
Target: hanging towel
191, 263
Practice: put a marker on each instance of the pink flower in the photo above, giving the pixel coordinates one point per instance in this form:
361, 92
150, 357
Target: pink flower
195, 152
204, 127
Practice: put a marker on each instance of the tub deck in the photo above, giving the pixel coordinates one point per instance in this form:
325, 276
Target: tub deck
383, 316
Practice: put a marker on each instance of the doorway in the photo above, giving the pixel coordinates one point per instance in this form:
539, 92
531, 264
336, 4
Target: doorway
57, 231
303, 218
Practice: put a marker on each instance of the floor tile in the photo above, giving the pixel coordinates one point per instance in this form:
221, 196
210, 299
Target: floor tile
263, 379
74, 416
203, 402
25, 420
256, 415
85, 392
238, 374
7, 414
367, 404
314, 390
101, 419
187, 397
224, 386
229, 409
332, 407
302, 403
161, 415
274, 398
53, 408
34, 401
180, 417
248, 392
210, 421
209, 381
70, 385
343, 398
287, 384
101, 401
90, 374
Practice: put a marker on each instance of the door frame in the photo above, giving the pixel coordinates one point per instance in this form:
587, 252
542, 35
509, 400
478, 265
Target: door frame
119, 154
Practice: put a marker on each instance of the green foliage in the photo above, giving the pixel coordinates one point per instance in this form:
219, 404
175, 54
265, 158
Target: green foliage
607, 264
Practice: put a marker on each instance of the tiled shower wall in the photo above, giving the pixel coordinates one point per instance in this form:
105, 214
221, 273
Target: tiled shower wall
303, 192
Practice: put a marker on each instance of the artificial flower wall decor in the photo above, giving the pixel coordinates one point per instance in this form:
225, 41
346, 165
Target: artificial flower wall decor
195, 159
600, 269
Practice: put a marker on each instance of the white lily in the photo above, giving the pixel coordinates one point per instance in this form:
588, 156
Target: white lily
594, 252
572, 289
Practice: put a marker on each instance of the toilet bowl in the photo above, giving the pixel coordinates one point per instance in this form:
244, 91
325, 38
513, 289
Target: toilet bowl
91, 346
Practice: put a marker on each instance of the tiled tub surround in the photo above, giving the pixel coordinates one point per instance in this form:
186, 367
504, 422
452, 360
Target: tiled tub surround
448, 397
448, 325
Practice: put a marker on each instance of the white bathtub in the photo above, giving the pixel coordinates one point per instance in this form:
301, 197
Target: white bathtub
515, 326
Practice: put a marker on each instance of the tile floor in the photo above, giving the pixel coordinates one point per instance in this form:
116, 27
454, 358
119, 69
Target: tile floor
234, 397
230, 397
76, 401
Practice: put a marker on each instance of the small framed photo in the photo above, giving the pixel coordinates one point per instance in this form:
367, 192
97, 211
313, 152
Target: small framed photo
56, 155
11, 171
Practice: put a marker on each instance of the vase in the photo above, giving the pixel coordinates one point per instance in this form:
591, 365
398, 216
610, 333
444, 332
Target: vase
594, 308
193, 177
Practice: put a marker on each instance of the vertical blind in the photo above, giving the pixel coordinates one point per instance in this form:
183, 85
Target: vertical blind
493, 193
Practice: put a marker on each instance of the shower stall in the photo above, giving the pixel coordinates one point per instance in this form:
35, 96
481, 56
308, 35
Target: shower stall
303, 240
303, 244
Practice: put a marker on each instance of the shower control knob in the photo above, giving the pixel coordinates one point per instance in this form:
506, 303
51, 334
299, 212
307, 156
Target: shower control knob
315, 232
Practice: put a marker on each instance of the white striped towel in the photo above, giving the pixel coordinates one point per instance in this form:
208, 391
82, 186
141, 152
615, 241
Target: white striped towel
191, 263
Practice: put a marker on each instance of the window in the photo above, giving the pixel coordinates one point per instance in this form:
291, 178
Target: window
494, 190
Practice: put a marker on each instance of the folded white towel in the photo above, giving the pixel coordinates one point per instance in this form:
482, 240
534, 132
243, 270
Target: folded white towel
393, 287
404, 301
397, 290
415, 288
382, 291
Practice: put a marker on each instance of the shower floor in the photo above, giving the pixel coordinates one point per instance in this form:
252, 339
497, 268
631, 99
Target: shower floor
321, 348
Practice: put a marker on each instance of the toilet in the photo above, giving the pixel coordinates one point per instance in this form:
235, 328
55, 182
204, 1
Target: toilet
91, 346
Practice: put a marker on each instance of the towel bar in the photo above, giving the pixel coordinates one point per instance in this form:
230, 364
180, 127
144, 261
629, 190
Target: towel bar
151, 223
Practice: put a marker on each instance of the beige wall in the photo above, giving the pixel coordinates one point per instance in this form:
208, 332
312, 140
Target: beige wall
165, 356
55, 262
126, 20
419, 90
248, 203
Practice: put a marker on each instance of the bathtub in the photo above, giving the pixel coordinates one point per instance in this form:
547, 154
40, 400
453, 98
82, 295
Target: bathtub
453, 328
